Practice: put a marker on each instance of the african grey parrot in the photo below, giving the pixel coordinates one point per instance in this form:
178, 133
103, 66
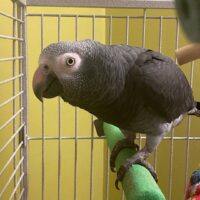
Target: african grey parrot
136, 89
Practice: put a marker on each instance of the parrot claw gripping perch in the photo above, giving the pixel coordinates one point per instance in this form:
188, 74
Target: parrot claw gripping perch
124, 143
138, 158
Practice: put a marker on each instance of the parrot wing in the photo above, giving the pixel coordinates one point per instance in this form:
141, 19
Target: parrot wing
164, 87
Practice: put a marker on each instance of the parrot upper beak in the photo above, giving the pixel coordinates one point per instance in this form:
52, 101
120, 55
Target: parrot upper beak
46, 84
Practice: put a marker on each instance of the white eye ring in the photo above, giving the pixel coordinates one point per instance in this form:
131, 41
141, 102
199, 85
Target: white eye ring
70, 61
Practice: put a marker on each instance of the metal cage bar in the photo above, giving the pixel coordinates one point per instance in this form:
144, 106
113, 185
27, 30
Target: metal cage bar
24, 99
11, 79
76, 126
11, 37
11, 138
59, 126
11, 177
107, 150
11, 158
104, 4
99, 16
11, 17
160, 50
14, 90
17, 186
11, 59
188, 131
11, 99
11, 119
102, 138
92, 127
43, 143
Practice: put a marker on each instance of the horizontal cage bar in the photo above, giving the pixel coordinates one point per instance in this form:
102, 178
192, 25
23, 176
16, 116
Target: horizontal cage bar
11, 99
11, 157
11, 79
17, 186
11, 177
99, 16
13, 117
11, 17
21, 194
11, 138
11, 38
11, 59
104, 4
96, 137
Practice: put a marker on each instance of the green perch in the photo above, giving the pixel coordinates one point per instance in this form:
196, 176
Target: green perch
138, 184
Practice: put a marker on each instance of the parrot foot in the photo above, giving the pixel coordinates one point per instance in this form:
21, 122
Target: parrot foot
138, 158
122, 144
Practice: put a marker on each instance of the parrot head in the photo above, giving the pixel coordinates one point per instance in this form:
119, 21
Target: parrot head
67, 69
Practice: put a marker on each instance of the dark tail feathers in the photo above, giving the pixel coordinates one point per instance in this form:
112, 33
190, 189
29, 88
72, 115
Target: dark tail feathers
195, 111
198, 105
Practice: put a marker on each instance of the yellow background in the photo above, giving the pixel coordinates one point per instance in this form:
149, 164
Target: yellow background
84, 121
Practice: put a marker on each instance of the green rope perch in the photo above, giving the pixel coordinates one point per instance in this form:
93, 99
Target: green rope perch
137, 183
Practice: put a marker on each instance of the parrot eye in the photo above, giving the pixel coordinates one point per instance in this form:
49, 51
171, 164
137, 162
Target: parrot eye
70, 61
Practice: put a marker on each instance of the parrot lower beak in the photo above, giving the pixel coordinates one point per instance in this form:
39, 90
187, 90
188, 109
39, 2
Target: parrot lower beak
46, 85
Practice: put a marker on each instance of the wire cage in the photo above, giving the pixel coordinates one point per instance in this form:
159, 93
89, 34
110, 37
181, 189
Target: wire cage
51, 150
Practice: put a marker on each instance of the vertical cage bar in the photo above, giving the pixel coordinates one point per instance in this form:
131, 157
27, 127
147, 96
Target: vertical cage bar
127, 30
161, 34
122, 197
107, 150
59, 127
76, 126
92, 129
188, 132
143, 45
160, 50
172, 132
144, 28
177, 34
14, 91
91, 157
107, 172
19, 25
171, 164
43, 172
110, 30
127, 41
25, 104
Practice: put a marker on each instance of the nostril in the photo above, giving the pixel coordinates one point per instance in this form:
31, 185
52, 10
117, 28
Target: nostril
46, 68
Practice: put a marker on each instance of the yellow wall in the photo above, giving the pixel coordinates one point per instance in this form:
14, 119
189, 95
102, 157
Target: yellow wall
84, 119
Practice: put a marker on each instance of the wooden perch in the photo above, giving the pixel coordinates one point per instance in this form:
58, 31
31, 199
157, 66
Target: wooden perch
188, 53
